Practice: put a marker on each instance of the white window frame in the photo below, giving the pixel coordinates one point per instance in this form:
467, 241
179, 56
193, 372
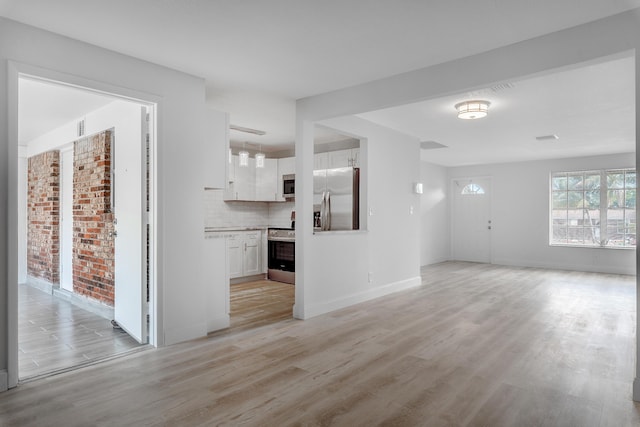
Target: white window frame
603, 208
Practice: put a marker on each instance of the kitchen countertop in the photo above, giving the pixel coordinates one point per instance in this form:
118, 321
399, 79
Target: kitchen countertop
224, 229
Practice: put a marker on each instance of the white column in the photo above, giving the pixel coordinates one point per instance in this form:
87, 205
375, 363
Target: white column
304, 209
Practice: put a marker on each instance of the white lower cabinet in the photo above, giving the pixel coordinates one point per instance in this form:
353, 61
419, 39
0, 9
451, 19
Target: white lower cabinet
244, 249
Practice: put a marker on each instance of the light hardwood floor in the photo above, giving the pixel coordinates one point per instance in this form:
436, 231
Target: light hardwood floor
475, 345
260, 303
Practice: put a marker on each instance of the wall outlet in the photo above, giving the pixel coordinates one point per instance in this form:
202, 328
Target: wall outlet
370, 277
410, 210
370, 211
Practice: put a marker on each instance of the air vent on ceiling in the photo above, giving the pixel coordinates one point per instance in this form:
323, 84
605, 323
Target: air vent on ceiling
502, 86
551, 137
430, 145
81, 128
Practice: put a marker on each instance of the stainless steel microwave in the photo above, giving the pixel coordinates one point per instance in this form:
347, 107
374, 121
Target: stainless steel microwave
289, 186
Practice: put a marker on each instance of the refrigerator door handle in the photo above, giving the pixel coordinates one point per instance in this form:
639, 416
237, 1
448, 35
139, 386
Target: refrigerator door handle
328, 210
323, 210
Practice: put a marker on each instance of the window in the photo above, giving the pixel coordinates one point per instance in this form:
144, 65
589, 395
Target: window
593, 208
472, 189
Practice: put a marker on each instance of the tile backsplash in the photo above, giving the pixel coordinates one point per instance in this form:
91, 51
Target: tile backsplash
219, 213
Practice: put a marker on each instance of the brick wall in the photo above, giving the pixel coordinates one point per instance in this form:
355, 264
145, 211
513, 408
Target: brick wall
43, 217
93, 247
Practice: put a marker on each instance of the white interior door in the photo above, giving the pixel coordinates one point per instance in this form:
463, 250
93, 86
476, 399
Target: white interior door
66, 220
129, 199
472, 219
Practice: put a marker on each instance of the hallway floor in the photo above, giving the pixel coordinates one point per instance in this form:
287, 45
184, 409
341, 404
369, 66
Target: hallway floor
54, 335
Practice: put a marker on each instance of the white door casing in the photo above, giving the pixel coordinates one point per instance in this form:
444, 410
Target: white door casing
129, 207
471, 228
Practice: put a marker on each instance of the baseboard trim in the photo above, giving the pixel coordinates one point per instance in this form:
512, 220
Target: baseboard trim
245, 279
636, 389
81, 301
4, 380
177, 335
436, 261
41, 284
85, 303
589, 268
218, 323
313, 310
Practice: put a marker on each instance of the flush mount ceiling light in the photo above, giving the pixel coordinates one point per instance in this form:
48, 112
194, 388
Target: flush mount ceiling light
470, 110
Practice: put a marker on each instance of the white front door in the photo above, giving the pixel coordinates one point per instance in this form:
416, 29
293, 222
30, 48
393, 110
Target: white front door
129, 207
472, 219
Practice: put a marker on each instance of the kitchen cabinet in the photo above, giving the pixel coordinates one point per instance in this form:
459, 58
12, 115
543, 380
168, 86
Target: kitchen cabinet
320, 161
344, 158
244, 249
216, 148
337, 159
267, 181
248, 183
235, 252
286, 166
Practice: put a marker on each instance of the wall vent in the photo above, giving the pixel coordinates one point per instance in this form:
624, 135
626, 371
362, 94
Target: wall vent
81, 128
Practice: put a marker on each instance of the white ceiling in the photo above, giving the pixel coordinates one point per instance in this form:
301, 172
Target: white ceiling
258, 57
591, 109
43, 107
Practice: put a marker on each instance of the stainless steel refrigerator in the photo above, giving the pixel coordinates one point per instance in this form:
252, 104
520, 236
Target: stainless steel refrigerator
336, 199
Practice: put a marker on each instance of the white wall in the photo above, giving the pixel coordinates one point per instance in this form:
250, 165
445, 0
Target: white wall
520, 210
344, 268
435, 236
179, 173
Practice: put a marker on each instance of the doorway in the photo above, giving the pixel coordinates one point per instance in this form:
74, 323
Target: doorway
96, 304
471, 231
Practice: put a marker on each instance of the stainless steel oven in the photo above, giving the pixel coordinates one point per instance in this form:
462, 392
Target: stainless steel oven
281, 255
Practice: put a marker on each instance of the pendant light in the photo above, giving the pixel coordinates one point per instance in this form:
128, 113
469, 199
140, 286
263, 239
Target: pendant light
260, 158
243, 156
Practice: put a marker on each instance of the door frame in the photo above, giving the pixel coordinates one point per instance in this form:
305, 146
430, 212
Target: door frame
452, 203
15, 71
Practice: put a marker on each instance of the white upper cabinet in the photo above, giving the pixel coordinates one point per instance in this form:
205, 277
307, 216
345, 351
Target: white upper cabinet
337, 159
320, 161
267, 181
216, 148
248, 183
344, 158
